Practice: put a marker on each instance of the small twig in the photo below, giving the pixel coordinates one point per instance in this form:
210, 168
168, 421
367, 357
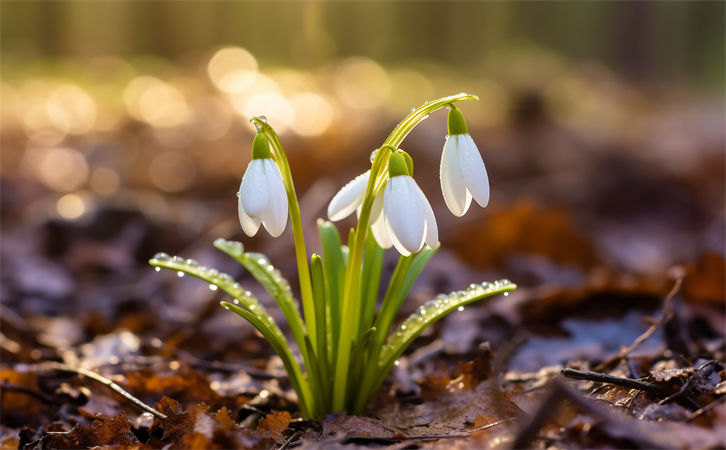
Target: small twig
708, 368
287, 442
558, 392
705, 409
664, 317
107, 382
619, 381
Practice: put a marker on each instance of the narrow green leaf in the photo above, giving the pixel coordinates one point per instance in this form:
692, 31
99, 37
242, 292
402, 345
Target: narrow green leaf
370, 280
216, 280
319, 297
432, 311
425, 315
251, 309
277, 340
334, 268
271, 279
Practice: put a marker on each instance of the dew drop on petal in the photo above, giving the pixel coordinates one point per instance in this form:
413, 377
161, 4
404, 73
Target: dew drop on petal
397, 363
235, 301
263, 119
460, 308
158, 269
506, 294
373, 155
180, 274
212, 287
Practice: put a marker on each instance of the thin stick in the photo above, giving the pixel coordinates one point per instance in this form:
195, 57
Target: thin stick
664, 317
705, 409
619, 381
107, 382
287, 442
558, 392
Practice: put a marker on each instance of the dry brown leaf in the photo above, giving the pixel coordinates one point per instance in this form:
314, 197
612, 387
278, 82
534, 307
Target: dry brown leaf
273, 424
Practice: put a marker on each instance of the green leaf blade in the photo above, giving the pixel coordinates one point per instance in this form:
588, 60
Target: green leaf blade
433, 310
270, 278
220, 280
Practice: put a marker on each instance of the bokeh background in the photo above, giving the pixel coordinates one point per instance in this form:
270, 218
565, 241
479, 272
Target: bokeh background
125, 131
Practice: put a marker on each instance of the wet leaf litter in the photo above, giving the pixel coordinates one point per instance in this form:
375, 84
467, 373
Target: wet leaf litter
648, 357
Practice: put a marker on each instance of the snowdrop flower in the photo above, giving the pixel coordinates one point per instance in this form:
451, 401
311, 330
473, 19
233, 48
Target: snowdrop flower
408, 217
262, 195
463, 174
348, 198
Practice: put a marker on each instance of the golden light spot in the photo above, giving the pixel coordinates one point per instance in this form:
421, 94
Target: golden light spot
360, 82
292, 81
77, 107
46, 124
232, 69
172, 171
155, 102
272, 105
59, 168
313, 114
104, 181
261, 84
71, 206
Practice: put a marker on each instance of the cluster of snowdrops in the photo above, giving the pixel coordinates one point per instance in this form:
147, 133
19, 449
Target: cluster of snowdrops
343, 334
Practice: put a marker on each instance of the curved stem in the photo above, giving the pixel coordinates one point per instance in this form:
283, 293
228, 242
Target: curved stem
306, 290
351, 294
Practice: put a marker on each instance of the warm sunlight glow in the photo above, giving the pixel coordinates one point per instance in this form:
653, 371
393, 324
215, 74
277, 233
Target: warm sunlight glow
232, 69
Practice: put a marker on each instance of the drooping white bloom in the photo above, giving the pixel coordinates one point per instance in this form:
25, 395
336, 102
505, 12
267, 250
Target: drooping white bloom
463, 174
407, 214
409, 219
348, 198
262, 195
401, 216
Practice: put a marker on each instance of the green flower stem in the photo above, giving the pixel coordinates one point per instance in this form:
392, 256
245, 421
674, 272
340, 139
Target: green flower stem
351, 293
306, 292
351, 296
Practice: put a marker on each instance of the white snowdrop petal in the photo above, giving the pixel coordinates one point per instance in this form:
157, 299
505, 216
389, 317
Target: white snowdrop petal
378, 224
453, 186
274, 216
348, 198
432, 230
249, 225
404, 214
254, 192
473, 169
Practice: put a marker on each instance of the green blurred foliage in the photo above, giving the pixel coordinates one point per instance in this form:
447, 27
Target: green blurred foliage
645, 41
